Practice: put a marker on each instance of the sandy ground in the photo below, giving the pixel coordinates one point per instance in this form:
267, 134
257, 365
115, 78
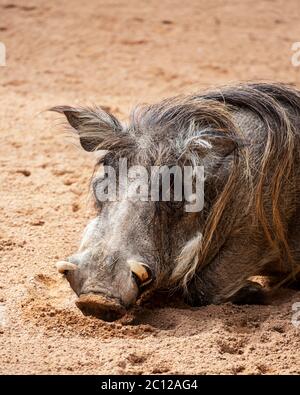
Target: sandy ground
118, 53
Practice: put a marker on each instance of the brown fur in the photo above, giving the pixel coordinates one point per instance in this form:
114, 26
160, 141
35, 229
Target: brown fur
268, 101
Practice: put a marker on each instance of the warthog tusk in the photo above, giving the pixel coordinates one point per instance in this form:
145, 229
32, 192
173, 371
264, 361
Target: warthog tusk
140, 270
62, 266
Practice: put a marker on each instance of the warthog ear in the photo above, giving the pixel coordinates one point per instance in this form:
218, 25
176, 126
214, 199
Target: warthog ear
97, 129
206, 142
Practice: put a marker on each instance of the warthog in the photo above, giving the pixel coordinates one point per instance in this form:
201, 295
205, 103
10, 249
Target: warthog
247, 137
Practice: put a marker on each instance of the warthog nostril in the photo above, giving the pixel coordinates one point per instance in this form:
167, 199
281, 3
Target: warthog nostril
100, 307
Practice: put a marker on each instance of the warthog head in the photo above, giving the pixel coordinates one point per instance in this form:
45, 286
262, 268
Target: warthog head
135, 244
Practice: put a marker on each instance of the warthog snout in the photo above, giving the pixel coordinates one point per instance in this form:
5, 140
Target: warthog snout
103, 292
100, 306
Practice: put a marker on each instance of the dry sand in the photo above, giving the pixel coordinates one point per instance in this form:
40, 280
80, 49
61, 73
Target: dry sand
118, 53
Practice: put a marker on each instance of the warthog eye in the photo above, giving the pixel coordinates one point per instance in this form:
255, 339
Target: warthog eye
175, 205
